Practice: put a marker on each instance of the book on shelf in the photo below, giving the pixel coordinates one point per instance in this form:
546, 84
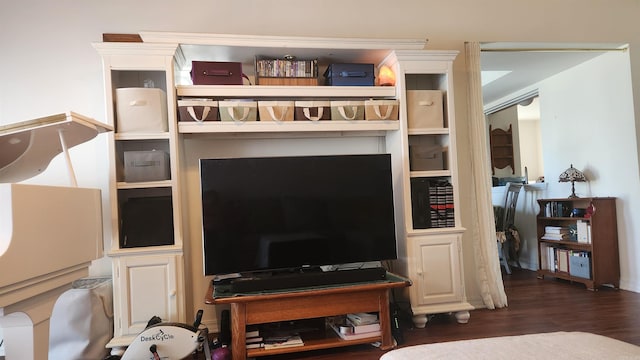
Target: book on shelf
347, 331
556, 233
556, 237
347, 327
362, 318
582, 228
252, 332
557, 209
254, 339
282, 341
562, 256
257, 345
556, 229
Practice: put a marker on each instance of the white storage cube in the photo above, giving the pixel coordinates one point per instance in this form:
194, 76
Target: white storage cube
141, 110
425, 109
146, 166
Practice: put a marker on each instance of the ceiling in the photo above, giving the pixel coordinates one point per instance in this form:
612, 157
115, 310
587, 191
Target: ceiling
510, 67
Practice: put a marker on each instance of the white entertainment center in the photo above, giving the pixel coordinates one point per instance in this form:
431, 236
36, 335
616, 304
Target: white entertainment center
167, 280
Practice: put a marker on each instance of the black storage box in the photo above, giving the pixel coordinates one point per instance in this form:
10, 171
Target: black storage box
350, 75
146, 221
216, 73
420, 203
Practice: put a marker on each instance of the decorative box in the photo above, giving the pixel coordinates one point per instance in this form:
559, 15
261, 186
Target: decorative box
216, 73
141, 110
312, 110
580, 266
350, 75
238, 110
150, 165
198, 110
347, 110
381, 109
275, 110
424, 109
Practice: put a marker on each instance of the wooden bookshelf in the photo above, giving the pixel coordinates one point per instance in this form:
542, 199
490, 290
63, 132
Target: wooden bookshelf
599, 249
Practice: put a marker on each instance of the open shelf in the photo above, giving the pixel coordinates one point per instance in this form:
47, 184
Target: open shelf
327, 341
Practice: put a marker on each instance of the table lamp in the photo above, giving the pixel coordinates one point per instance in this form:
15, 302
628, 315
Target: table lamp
572, 175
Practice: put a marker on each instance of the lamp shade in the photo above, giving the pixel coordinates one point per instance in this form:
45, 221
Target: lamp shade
572, 175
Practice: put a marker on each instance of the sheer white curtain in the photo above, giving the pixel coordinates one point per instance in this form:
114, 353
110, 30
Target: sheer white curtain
488, 272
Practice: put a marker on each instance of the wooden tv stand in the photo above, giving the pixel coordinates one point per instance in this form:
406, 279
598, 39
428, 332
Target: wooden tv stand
308, 303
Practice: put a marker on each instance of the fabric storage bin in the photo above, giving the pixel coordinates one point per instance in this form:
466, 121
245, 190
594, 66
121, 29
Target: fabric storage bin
238, 110
150, 165
198, 110
580, 266
347, 110
312, 110
381, 109
426, 155
275, 110
425, 109
216, 73
141, 110
350, 75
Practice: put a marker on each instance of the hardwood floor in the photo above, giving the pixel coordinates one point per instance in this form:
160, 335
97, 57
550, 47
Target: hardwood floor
534, 306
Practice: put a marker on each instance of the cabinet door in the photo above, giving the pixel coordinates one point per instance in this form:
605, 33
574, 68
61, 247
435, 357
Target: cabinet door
148, 287
438, 270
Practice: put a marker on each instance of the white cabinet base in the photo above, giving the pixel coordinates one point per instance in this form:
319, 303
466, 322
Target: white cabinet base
438, 284
420, 321
146, 286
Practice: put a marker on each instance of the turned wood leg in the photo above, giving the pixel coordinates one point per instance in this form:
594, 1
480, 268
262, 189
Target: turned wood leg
462, 317
420, 321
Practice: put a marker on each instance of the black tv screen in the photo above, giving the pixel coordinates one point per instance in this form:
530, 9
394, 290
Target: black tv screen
272, 213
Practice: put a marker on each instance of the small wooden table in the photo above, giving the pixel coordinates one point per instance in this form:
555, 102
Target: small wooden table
308, 303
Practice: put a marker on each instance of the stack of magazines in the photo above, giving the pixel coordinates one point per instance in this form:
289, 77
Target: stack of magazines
356, 326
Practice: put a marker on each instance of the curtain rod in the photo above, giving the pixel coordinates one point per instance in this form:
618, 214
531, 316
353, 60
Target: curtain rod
555, 50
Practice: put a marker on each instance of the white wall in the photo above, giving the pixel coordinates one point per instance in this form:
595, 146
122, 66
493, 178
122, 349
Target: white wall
47, 64
530, 149
587, 120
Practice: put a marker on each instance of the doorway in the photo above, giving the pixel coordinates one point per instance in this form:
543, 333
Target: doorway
557, 77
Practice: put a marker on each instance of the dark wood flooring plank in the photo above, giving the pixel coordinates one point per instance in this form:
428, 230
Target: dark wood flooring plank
535, 306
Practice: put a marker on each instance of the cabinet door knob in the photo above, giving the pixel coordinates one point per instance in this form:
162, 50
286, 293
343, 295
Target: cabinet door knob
173, 293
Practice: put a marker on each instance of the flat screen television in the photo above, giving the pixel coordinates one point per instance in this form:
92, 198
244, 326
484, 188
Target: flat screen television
293, 212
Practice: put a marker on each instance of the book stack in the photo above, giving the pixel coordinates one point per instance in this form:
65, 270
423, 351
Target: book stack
556, 233
356, 326
253, 339
274, 342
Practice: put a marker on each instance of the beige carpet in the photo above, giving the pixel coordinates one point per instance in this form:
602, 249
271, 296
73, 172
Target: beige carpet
556, 346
